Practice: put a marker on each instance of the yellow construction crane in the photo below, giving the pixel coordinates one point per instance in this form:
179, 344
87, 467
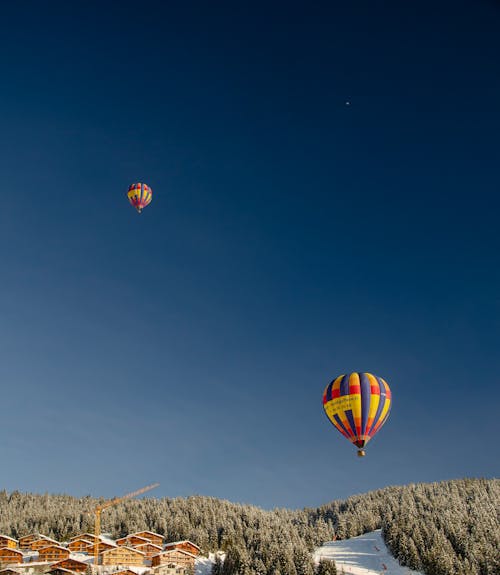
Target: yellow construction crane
100, 508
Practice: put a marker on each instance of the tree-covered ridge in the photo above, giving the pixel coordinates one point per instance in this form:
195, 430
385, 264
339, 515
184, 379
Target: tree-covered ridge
444, 528
422, 525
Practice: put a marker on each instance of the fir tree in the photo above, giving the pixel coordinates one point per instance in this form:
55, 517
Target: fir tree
217, 566
326, 567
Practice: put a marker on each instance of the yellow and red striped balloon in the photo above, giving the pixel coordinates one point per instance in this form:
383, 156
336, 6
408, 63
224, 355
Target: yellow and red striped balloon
357, 404
140, 196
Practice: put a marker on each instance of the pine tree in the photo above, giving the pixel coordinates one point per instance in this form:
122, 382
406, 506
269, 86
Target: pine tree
326, 567
217, 566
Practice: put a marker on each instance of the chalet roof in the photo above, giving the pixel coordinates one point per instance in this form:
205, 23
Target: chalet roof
150, 533
45, 538
175, 550
2, 536
9, 570
123, 547
110, 544
160, 568
91, 540
53, 547
79, 556
82, 540
135, 570
127, 537
79, 536
70, 559
61, 569
179, 542
107, 540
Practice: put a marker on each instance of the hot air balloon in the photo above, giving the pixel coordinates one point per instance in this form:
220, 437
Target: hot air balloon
357, 404
139, 195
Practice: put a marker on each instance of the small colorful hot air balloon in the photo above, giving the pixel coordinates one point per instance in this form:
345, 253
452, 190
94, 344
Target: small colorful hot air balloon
140, 195
358, 405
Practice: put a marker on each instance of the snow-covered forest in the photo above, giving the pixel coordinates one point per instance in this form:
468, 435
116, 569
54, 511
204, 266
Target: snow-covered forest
443, 528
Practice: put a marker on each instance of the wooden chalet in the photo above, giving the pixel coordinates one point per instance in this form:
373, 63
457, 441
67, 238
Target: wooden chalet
185, 545
122, 556
9, 571
43, 542
60, 571
149, 549
26, 540
88, 536
124, 572
71, 565
10, 542
102, 547
80, 546
174, 557
9, 555
155, 538
53, 553
132, 541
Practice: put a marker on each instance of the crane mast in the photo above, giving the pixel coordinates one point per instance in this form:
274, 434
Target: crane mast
100, 508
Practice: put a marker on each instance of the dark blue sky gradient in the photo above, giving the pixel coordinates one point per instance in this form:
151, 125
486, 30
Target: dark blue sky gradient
291, 238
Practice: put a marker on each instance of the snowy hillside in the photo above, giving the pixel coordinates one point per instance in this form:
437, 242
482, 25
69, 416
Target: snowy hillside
204, 565
363, 555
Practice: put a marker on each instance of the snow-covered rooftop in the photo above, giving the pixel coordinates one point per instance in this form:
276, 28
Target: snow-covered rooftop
82, 535
175, 550
70, 559
108, 541
150, 533
122, 547
52, 546
46, 538
82, 557
127, 537
179, 542
81, 541
136, 569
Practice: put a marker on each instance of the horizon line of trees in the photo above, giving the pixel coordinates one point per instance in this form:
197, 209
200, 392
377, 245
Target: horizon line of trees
447, 528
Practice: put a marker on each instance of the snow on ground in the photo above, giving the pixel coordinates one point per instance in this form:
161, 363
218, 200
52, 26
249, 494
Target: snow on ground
363, 555
203, 565
83, 557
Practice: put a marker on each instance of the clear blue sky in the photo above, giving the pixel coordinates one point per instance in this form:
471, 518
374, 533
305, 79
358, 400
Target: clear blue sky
291, 238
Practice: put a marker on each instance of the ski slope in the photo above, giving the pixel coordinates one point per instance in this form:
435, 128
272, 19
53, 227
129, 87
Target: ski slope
362, 555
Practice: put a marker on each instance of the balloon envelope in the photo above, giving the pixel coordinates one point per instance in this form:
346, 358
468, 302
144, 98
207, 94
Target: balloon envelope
357, 404
139, 195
